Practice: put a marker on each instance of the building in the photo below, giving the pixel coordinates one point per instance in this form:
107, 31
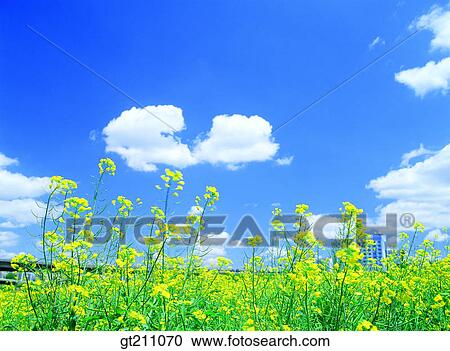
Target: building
376, 251
8, 275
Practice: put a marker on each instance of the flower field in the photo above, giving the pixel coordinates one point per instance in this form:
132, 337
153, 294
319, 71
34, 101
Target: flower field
80, 286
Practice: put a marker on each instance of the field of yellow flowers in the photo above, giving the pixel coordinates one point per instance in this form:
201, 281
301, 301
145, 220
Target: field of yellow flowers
117, 287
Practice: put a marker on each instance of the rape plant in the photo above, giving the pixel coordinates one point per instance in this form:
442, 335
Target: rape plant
79, 286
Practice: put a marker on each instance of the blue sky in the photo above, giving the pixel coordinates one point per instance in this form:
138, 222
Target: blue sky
253, 58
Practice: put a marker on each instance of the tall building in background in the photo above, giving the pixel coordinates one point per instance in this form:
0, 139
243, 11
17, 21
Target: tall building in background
377, 251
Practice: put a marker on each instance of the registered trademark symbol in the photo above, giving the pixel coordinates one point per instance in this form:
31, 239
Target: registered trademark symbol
407, 220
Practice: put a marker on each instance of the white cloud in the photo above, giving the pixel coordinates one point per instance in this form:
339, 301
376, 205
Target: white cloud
18, 195
20, 212
272, 254
11, 225
233, 167
6, 255
375, 42
437, 21
421, 151
93, 135
143, 141
330, 230
422, 189
8, 239
6, 161
432, 76
284, 161
437, 236
237, 139
196, 210
210, 254
16, 185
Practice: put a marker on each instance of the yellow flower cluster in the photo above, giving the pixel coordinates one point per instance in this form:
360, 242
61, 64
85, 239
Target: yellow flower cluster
23, 262
125, 205
172, 179
366, 325
61, 184
106, 165
75, 207
76, 286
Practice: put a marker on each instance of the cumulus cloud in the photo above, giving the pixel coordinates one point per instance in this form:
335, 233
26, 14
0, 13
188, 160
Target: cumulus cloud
437, 21
6, 255
8, 239
6, 161
18, 195
93, 135
432, 76
330, 230
143, 141
422, 189
10, 225
421, 151
437, 236
237, 139
16, 185
20, 212
284, 161
210, 253
196, 210
233, 167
